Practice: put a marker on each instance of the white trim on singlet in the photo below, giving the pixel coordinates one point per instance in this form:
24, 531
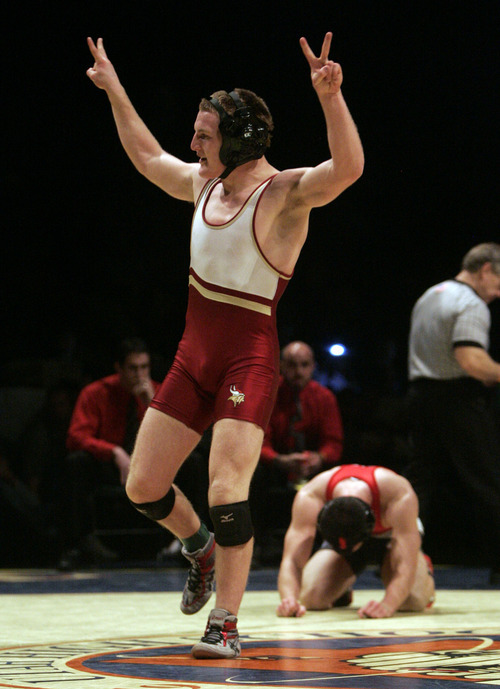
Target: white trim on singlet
227, 257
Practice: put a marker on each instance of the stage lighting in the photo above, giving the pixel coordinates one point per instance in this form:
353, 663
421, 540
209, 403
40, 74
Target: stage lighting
337, 349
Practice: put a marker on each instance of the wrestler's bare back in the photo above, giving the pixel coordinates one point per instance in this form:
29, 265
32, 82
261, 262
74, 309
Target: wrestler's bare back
392, 487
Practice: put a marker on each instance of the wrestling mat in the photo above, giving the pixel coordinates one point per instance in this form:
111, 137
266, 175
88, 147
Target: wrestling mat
121, 631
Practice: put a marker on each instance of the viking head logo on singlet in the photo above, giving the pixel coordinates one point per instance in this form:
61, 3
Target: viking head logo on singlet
236, 396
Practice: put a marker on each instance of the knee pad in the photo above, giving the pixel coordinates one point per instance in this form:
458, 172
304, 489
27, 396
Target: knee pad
159, 509
232, 523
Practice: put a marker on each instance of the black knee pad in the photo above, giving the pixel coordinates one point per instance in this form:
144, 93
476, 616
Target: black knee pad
159, 509
232, 523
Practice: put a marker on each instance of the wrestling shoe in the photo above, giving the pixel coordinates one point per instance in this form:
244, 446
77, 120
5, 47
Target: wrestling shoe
201, 577
221, 638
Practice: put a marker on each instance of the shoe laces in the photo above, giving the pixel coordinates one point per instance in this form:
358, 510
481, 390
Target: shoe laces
200, 567
194, 576
214, 634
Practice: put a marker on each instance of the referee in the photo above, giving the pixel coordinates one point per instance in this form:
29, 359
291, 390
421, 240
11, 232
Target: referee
453, 431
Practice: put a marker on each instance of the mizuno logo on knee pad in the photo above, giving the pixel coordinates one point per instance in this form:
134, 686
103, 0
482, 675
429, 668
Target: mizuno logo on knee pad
232, 523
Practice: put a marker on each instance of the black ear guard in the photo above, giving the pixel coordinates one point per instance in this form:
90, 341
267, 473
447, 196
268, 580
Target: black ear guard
244, 135
344, 522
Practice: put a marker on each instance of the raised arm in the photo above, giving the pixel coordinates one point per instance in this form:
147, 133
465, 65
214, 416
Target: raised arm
166, 171
299, 541
320, 185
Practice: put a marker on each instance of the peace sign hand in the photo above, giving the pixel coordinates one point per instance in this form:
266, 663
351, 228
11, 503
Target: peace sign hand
102, 73
326, 75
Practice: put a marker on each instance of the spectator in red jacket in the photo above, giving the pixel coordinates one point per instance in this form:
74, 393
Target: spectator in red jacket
100, 439
305, 432
304, 437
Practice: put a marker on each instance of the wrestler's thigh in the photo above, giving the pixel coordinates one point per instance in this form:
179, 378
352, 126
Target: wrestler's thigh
162, 444
324, 578
234, 454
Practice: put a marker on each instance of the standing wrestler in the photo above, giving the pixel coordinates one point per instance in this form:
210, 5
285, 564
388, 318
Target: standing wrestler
366, 515
249, 225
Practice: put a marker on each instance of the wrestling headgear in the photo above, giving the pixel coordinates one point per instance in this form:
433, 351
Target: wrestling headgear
244, 135
344, 522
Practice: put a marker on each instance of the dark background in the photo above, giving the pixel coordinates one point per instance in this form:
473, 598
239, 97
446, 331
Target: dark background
93, 252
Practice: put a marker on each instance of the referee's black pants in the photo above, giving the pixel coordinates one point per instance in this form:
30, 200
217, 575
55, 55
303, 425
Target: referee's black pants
455, 440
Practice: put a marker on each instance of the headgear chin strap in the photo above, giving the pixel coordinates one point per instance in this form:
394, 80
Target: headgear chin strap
244, 135
344, 522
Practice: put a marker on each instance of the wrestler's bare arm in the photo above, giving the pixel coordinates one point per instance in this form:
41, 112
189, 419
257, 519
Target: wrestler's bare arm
401, 515
169, 173
296, 551
284, 215
320, 185
299, 540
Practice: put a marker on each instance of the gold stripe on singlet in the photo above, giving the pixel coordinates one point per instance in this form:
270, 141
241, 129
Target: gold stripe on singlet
229, 299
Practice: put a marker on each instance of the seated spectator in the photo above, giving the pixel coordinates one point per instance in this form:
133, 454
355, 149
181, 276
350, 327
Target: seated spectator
100, 439
303, 438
